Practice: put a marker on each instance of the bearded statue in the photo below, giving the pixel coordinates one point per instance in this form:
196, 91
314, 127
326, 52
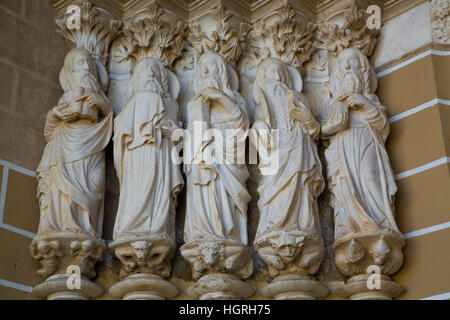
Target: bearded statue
360, 176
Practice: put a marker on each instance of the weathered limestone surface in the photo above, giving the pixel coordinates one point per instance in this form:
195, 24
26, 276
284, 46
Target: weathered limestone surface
207, 230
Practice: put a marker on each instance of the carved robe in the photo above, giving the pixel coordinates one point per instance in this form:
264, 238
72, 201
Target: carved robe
287, 202
360, 174
149, 179
71, 174
216, 194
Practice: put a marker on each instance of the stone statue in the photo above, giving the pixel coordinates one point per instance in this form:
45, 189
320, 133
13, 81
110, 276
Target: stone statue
288, 238
149, 179
71, 174
360, 177
288, 199
215, 229
72, 170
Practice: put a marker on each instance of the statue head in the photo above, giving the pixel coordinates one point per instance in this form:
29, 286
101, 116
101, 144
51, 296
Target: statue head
79, 71
141, 249
272, 76
212, 72
149, 75
353, 74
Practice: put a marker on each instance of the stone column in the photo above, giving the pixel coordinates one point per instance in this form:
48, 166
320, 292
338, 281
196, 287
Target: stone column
215, 231
285, 131
368, 245
144, 230
72, 170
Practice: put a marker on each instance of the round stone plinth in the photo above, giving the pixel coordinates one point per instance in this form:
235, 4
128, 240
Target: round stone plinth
295, 287
56, 288
143, 286
357, 289
219, 286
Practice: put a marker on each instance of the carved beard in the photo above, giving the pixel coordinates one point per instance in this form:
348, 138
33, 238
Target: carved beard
351, 83
209, 82
154, 86
88, 81
278, 91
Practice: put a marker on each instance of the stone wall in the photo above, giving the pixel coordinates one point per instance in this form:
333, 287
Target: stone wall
413, 84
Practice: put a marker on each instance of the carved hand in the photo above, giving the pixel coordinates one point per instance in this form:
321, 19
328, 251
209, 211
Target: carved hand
337, 122
356, 100
59, 112
213, 94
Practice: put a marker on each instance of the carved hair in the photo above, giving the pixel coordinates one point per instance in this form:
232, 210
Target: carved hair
222, 66
65, 76
368, 74
163, 79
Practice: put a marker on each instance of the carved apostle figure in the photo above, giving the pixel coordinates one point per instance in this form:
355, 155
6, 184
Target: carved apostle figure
361, 178
215, 230
288, 238
72, 170
149, 179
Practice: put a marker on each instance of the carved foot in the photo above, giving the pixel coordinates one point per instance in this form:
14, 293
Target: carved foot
143, 287
357, 288
295, 287
219, 286
57, 287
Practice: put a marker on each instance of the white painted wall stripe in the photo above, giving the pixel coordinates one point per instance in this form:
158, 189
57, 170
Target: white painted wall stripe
424, 106
443, 296
404, 64
424, 231
412, 60
423, 168
25, 233
3, 192
440, 53
17, 168
17, 286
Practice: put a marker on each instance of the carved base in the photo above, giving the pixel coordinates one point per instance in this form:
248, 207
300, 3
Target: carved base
218, 256
143, 287
219, 286
56, 252
295, 287
355, 253
293, 252
357, 289
56, 288
144, 255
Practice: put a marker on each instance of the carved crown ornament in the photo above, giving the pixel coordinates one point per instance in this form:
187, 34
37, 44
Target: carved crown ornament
285, 39
152, 37
440, 10
93, 34
353, 33
225, 40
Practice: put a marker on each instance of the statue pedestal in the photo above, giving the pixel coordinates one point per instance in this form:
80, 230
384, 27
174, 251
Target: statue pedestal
56, 287
295, 287
219, 286
357, 288
143, 286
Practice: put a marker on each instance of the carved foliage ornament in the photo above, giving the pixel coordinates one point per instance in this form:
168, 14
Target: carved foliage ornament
152, 37
440, 10
92, 35
354, 33
285, 39
224, 40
